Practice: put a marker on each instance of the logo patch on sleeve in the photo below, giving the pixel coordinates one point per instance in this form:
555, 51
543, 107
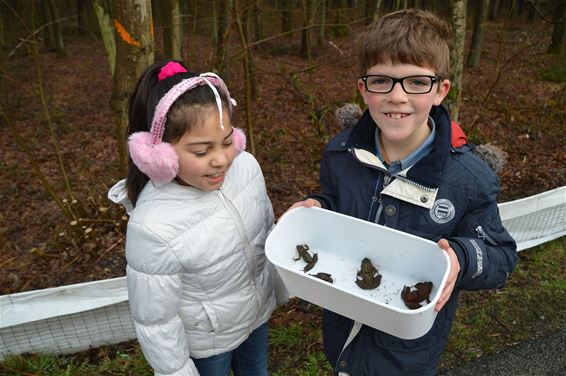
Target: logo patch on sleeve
443, 211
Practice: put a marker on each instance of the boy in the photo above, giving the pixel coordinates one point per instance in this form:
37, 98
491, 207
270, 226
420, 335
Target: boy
396, 167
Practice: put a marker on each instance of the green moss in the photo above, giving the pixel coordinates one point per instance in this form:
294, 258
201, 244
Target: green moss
554, 73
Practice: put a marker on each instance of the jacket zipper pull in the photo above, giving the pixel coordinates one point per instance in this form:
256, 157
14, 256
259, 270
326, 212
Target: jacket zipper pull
483, 236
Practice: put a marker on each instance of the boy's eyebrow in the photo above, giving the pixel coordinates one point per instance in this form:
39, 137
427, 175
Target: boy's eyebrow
208, 142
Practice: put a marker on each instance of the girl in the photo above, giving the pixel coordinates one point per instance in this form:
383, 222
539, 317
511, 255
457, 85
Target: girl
200, 288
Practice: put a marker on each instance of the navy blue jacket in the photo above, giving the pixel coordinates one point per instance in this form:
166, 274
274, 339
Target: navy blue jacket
449, 193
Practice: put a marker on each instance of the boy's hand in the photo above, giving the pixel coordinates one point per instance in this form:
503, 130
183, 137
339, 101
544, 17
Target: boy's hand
451, 280
308, 203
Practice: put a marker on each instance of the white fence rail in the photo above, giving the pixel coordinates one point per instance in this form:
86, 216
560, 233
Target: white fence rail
77, 317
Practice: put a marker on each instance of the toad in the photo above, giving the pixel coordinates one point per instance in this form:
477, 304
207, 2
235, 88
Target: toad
368, 277
413, 296
324, 276
303, 251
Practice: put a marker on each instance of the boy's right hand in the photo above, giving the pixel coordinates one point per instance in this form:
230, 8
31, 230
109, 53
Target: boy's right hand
308, 203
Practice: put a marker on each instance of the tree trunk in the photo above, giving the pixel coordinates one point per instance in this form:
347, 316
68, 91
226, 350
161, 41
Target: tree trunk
477, 37
559, 30
306, 37
531, 12
323, 10
215, 22
377, 9
2, 36
238, 10
285, 7
458, 21
172, 33
368, 11
81, 7
102, 10
224, 22
195, 11
494, 11
58, 30
258, 22
339, 29
134, 52
48, 30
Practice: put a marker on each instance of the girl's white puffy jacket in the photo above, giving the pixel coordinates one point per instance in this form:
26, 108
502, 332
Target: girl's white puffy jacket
198, 279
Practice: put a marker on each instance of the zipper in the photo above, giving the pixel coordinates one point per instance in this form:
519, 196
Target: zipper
420, 186
379, 210
405, 179
483, 235
248, 252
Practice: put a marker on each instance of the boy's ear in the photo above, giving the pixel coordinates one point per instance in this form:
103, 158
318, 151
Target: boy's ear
362, 89
442, 92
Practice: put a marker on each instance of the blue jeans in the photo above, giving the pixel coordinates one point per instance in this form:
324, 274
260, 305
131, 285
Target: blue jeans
248, 359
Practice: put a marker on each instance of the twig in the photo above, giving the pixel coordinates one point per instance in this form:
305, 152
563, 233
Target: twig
96, 220
35, 166
6, 262
499, 321
54, 140
108, 250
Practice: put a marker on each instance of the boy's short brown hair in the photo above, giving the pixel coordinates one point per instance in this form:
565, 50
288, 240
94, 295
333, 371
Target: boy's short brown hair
410, 36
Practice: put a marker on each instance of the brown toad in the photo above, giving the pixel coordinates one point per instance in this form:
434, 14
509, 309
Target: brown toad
303, 251
414, 295
368, 277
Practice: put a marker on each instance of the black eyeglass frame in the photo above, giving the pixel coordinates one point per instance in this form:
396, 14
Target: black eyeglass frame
433, 80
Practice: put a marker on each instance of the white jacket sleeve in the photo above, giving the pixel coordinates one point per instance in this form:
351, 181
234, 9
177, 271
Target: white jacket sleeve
155, 290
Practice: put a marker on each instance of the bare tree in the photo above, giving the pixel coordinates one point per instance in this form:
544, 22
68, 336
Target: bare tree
172, 32
377, 9
286, 15
53, 31
477, 37
306, 35
221, 36
494, 10
559, 30
104, 17
239, 10
458, 23
134, 52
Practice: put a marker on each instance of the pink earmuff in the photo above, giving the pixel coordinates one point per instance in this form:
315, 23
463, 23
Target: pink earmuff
160, 161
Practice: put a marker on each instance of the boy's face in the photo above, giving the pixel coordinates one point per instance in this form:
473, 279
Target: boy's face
401, 117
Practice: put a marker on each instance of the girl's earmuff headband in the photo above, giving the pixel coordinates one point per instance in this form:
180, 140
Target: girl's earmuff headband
157, 159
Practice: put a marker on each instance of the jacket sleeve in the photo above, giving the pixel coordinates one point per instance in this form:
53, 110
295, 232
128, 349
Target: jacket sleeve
327, 197
155, 290
485, 250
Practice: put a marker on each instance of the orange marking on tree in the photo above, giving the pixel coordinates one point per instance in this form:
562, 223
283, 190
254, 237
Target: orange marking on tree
126, 37
151, 27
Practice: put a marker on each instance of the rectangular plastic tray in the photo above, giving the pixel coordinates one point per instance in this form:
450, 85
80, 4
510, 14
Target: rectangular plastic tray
341, 243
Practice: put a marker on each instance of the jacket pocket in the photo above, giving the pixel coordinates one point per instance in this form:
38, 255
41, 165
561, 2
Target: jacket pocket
212, 316
405, 357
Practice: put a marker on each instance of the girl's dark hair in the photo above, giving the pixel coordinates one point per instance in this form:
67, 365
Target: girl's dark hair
187, 111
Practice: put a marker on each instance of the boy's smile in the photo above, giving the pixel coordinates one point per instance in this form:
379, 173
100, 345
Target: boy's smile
402, 118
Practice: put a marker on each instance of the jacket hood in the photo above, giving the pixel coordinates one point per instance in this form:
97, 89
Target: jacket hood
118, 194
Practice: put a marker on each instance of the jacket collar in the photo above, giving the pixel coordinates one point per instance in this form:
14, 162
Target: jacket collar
428, 170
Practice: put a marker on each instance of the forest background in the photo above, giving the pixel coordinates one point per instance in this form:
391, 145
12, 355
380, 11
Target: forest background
68, 66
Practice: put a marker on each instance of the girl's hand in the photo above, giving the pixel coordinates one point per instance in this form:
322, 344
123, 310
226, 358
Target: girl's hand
451, 280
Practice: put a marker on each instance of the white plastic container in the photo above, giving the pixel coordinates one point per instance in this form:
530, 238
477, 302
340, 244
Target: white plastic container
341, 243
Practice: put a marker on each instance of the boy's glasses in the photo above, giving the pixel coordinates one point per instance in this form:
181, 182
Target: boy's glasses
410, 84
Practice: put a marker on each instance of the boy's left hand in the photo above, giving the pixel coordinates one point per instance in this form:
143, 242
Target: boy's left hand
452, 276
